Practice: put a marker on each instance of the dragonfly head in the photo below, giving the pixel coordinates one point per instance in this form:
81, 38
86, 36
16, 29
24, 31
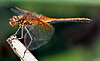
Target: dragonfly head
15, 21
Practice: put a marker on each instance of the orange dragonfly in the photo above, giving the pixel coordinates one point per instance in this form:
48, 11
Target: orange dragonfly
38, 28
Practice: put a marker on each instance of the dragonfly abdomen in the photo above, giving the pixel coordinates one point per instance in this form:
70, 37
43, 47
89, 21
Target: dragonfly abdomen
70, 20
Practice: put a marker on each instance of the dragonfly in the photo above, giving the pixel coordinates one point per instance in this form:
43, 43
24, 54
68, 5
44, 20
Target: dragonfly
38, 27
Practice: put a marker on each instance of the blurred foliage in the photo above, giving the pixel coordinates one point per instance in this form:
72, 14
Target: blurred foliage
71, 41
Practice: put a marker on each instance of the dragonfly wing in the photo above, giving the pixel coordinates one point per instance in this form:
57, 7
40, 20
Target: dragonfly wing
25, 13
40, 35
18, 11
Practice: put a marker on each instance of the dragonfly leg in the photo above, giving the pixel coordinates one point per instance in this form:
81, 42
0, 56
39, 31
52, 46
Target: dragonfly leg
20, 27
30, 37
18, 30
22, 31
29, 42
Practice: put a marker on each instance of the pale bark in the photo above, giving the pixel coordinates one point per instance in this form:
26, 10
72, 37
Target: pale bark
19, 49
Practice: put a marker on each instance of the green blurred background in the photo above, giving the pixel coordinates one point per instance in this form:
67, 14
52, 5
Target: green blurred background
71, 41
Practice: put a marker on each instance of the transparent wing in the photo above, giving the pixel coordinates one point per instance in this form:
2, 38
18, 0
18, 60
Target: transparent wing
18, 11
40, 33
25, 13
